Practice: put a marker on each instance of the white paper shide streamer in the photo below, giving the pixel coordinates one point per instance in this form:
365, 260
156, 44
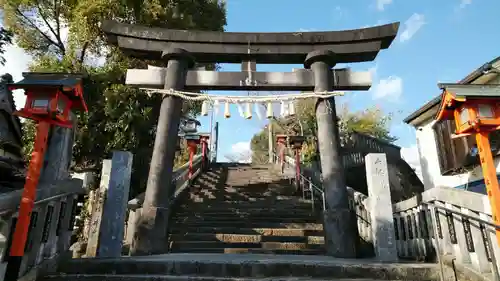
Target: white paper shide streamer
287, 102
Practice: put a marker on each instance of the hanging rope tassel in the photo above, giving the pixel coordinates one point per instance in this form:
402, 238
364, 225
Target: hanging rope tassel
204, 108
257, 110
291, 108
248, 111
269, 113
227, 113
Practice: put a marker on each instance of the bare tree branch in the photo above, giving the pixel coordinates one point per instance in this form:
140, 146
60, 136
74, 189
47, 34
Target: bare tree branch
57, 14
84, 50
57, 34
32, 24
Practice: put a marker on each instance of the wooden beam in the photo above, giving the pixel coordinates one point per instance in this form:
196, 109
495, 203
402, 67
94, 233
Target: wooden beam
298, 80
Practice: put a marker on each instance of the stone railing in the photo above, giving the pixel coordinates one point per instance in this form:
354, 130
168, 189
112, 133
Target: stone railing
451, 226
52, 225
355, 146
359, 142
358, 203
180, 181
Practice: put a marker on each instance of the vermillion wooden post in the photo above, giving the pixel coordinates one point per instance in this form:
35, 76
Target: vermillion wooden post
27, 202
490, 177
281, 140
297, 168
203, 152
192, 149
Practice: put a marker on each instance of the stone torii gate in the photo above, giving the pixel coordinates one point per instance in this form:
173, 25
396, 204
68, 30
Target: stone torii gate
180, 50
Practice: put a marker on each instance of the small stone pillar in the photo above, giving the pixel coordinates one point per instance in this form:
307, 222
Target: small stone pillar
97, 212
380, 207
112, 230
339, 221
151, 235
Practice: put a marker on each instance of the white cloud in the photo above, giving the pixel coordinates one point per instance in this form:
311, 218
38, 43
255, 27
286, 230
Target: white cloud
373, 71
390, 89
465, 3
240, 152
338, 13
411, 156
16, 62
412, 26
382, 3
306, 30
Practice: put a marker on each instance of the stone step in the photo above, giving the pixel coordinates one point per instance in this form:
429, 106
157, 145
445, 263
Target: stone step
236, 199
260, 202
181, 245
268, 191
144, 277
250, 224
248, 213
251, 265
249, 238
182, 230
236, 218
250, 209
304, 252
244, 205
226, 196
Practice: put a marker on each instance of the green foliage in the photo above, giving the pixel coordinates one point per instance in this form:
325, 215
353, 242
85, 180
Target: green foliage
29, 131
371, 121
5, 40
64, 36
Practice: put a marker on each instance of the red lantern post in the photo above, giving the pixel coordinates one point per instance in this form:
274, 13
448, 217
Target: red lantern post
296, 143
476, 110
192, 143
50, 97
204, 138
281, 141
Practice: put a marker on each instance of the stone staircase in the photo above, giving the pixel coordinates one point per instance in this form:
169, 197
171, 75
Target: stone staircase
238, 208
250, 214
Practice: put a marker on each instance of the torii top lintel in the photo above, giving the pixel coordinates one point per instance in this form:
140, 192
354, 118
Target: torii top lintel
356, 45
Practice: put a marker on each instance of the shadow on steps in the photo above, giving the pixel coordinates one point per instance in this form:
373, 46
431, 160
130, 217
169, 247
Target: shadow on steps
244, 209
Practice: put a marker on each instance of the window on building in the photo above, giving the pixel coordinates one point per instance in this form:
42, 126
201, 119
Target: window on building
459, 154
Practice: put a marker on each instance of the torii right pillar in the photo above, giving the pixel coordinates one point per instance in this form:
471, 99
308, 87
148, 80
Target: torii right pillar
340, 237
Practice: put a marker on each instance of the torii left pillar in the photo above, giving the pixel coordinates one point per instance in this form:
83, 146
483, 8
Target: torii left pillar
151, 232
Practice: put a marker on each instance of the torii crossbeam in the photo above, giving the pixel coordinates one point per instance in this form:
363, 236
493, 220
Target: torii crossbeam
357, 45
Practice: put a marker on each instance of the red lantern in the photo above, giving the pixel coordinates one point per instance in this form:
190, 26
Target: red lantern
50, 97
204, 138
476, 111
192, 144
281, 140
296, 143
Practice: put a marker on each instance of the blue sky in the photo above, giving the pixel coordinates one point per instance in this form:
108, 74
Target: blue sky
438, 41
